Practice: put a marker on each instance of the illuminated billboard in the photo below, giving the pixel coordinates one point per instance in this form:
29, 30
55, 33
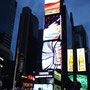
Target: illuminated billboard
52, 7
57, 75
81, 64
52, 27
57, 87
81, 59
51, 55
70, 60
43, 86
82, 79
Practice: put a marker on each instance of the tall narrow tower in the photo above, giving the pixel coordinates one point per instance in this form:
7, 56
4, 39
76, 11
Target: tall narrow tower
27, 42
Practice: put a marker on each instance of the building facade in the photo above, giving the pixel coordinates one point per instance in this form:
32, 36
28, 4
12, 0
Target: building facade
7, 16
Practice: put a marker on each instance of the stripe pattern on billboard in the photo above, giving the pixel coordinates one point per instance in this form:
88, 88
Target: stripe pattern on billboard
52, 7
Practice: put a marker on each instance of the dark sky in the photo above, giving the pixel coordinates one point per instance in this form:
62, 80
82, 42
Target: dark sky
79, 8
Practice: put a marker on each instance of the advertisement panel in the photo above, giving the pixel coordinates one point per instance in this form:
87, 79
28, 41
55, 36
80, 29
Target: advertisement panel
81, 59
43, 86
51, 55
57, 75
70, 60
29, 77
82, 79
52, 7
57, 87
52, 27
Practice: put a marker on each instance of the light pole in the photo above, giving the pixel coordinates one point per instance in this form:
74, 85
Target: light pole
15, 70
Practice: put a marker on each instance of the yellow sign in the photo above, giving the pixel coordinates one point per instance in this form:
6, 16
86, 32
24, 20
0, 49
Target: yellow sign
70, 60
23, 76
81, 59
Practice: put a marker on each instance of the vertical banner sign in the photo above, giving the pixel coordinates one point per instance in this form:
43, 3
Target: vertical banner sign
70, 60
81, 59
52, 34
52, 7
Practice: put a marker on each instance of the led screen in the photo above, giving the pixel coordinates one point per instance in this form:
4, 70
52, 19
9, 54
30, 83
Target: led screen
81, 59
52, 27
51, 55
82, 79
52, 7
43, 86
70, 60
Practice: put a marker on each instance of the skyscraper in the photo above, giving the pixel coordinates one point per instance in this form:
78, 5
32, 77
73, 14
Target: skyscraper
7, 16
27, 41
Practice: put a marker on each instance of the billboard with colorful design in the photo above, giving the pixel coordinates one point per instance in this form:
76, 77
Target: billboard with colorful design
82, 79
52, 55
52, 7
52, 28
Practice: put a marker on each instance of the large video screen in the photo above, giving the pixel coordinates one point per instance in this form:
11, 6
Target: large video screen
43, 86
82, 79
52, 27
52, 7
51, 55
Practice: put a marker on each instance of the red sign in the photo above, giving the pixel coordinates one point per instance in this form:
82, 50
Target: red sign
31, 77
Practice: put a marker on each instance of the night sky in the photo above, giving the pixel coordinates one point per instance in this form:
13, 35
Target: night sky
79, 8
